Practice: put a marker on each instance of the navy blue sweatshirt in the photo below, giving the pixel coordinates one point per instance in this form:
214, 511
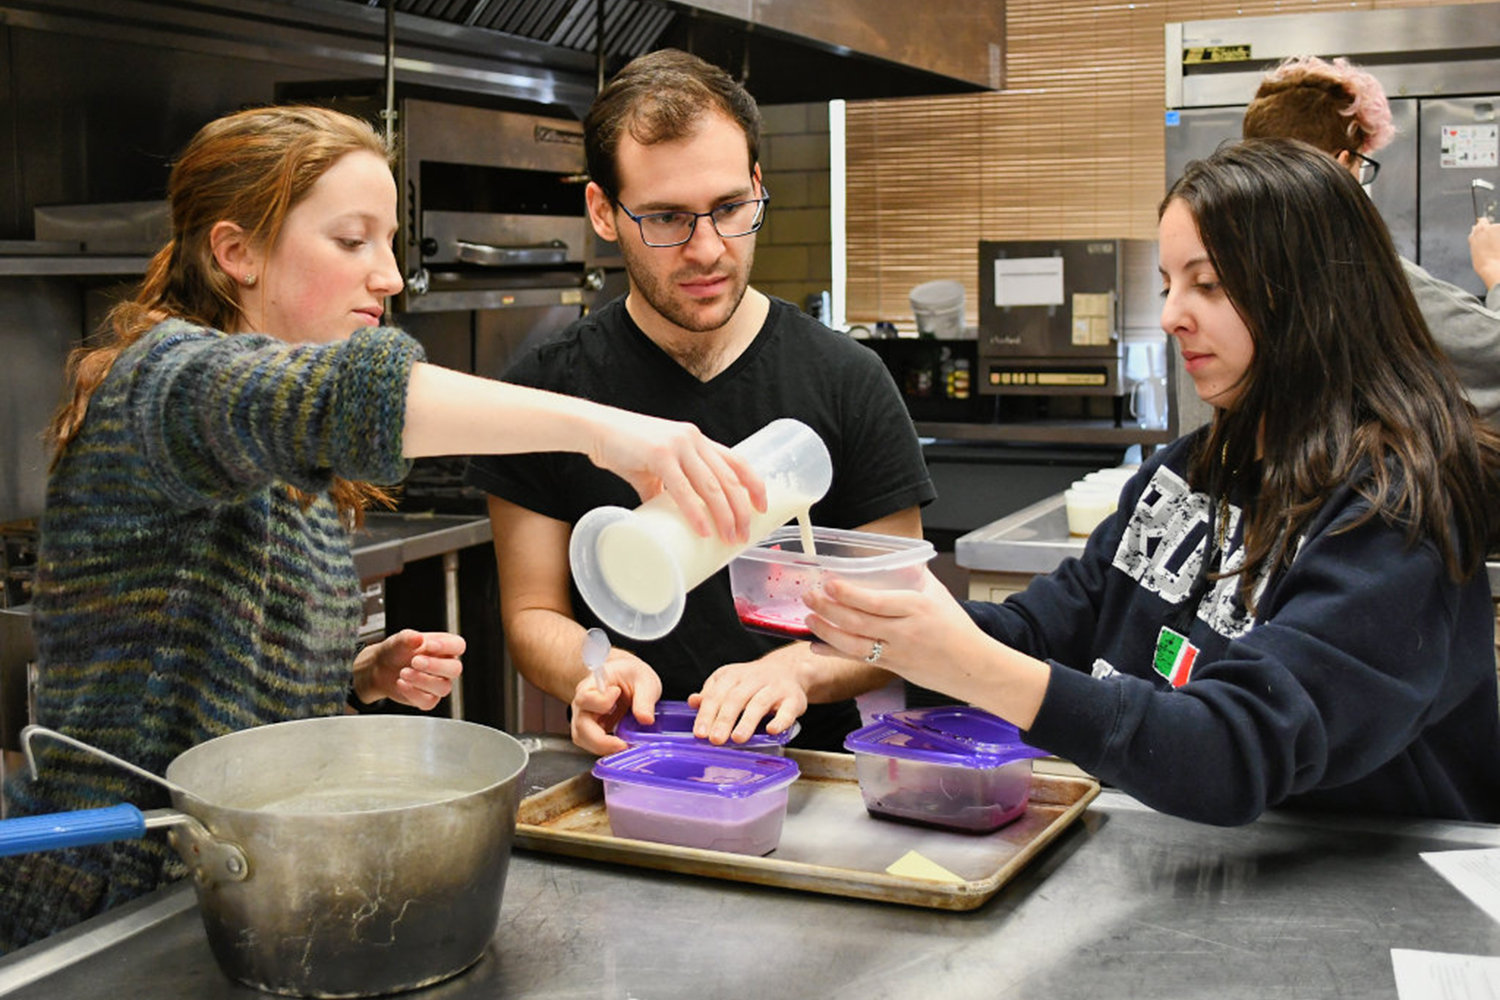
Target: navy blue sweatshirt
1365, 682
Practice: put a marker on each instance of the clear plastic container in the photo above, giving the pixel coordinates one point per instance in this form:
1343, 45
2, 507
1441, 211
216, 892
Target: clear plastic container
769, 578
674, 724
1087, 504
635, 567
955, 767
1094, 497
691, 796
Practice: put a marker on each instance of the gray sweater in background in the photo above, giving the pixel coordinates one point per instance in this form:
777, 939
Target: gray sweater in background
1468, 331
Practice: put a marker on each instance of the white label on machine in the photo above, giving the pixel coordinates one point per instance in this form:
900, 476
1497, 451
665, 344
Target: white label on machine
1470, 146
1029, 281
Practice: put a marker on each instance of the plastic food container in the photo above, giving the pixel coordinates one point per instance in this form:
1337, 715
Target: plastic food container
692, 796
1094, 497
674, 725
769, 578
953, 766
1087, 504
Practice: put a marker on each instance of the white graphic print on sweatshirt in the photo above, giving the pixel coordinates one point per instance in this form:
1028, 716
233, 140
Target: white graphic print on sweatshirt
1162, 548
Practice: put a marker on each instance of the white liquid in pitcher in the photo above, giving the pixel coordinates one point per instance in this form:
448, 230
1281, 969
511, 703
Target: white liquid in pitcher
636, 555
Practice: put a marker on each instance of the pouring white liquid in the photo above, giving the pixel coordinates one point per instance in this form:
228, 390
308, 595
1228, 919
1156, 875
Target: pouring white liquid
804, 527
634, 568
637, 557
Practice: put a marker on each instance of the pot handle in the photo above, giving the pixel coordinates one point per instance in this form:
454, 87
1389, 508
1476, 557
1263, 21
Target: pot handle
51, 831
31, 731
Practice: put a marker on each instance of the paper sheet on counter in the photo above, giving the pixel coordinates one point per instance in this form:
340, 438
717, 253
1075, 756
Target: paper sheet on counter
1475, 873
1433, 975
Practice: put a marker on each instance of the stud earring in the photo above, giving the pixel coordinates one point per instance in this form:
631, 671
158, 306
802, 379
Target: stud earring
249, 280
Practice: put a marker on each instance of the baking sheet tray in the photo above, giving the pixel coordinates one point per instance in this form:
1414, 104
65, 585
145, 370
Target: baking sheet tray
829, 843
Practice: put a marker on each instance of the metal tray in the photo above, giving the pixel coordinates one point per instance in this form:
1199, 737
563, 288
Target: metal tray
829, 843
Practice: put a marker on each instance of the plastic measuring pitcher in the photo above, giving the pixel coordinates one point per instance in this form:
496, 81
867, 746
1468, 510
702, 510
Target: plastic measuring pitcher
635, 567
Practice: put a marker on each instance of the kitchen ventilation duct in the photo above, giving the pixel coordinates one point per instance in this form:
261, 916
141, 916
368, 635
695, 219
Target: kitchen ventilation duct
548, 52
784, 50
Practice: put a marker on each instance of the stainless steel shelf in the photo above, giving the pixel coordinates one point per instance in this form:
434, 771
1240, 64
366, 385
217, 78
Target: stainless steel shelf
1036, 539
389, 541
73, 266
1061, 432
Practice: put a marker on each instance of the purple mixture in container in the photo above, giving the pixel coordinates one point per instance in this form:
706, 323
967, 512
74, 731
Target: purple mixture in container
953, 766
697, 796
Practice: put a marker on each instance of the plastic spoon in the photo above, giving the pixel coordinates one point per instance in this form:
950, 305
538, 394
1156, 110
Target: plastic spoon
595, 652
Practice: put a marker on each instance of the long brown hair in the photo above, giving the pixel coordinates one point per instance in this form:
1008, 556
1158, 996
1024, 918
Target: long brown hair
1346, 383
249, 168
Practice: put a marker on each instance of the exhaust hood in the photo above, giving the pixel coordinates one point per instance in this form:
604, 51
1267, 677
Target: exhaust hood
547, 51
784, 50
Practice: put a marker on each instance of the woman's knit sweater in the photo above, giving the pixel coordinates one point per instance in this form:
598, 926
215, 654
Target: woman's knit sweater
182, 591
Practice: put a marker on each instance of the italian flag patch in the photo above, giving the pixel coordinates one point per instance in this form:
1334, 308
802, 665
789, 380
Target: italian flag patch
1174, 656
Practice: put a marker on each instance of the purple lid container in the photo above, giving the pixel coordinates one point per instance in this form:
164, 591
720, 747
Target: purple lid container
674, 724
948, 734
727, 774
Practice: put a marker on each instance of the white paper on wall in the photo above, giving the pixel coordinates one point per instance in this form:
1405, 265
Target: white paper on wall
1029, 281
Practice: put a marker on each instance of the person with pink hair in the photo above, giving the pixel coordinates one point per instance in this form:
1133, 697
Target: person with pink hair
1342, 110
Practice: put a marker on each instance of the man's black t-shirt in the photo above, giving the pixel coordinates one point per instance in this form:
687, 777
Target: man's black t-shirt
795, 367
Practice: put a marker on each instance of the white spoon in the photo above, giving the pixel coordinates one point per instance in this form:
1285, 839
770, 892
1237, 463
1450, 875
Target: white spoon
595, 652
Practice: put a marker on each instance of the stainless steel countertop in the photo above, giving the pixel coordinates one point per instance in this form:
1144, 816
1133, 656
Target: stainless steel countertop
1035, 539
1127, 903
388, 541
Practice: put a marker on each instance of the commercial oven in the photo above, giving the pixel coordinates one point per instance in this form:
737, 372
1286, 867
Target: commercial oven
490, 201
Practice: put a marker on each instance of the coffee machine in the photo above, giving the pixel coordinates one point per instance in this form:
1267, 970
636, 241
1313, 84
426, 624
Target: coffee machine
1059, 318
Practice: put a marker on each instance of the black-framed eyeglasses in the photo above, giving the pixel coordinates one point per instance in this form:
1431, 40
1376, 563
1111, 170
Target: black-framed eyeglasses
673, 229
1368, 168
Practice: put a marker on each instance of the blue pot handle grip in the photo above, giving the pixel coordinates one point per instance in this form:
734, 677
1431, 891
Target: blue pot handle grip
52, 831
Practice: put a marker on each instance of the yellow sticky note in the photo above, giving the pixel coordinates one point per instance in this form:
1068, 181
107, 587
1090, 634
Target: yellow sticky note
913, 865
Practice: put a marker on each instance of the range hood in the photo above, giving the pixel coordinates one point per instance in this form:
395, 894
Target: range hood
783, 50
548, 51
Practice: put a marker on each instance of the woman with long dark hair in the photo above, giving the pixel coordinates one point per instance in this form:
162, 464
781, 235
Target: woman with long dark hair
1289, 606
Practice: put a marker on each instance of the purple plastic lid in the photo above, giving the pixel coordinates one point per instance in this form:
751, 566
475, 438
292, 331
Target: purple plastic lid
727, 774
949, 734
674, 724
978, 730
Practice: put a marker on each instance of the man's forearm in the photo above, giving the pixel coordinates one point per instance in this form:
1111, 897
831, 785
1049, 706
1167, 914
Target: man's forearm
545, 647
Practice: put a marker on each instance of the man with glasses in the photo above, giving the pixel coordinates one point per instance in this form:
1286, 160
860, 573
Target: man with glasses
1342, 110
673, 154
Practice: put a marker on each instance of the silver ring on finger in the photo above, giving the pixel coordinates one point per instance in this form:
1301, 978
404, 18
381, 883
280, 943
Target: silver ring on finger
876, 649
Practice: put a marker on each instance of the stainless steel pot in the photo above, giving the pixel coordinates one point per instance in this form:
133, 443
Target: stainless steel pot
336, 857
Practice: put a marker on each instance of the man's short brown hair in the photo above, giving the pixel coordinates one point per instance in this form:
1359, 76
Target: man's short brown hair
658, 97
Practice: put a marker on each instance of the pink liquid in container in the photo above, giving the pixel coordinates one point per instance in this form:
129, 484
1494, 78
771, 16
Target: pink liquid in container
768, 579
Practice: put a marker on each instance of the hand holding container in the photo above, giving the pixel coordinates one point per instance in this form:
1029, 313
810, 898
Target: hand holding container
673, 723
635, 568
768, 579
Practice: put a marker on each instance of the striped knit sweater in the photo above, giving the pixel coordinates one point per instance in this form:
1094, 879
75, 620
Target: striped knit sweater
181, 592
